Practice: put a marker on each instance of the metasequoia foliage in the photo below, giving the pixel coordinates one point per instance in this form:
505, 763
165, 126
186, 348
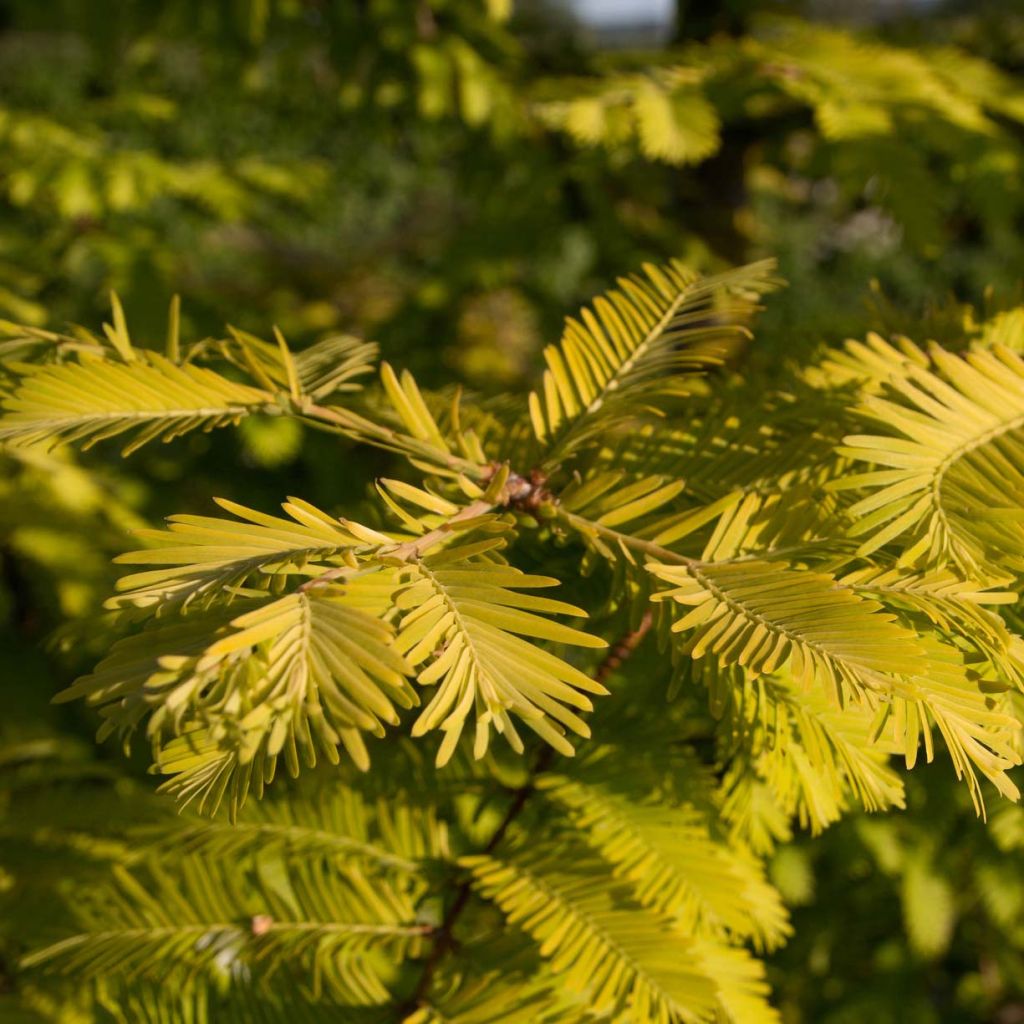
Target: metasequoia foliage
774, 591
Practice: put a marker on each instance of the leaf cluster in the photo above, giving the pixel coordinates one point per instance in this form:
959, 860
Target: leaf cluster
819, 599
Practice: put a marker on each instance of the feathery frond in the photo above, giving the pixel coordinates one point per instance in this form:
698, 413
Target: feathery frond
150, 397
669, 856
810, 754
328, 367
501, 997
954, 445
206, 559
618, 954
468, 619
765, 615
303, 673
396, 831
635, 348
959, 607
625, 959
214, 923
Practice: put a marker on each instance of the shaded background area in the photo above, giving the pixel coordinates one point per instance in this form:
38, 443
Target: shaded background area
451, 178
374, 167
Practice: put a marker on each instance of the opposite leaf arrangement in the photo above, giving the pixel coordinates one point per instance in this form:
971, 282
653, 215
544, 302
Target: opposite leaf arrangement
825, 566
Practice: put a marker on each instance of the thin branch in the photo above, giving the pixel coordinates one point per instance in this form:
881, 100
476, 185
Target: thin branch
444, 940
413, 549
445, 934
628, 540
623, 649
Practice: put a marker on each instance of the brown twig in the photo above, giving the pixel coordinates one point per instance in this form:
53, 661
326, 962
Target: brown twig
623, 649
445, 940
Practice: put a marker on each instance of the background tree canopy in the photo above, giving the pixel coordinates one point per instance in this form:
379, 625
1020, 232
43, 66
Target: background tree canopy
447, 179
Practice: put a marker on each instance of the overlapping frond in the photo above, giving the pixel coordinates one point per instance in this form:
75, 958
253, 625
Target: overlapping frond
395, 832
93, 388
626, 960
668, 854
467, 620
328, 668
766, 615
811, 755
1005, 328
328, 367
596, 940
980, 734
149, 397
312, 659
210, 921
789, 522
205, 559
736, 437
960, 608
634, 347
952, 487
507, 985
307, 672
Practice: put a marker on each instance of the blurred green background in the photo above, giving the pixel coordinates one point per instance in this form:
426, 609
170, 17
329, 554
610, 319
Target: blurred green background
450, 178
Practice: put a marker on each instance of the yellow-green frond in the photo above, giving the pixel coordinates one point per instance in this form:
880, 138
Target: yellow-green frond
635, 346
396, 831
328, 367
203, 559
949, 486
465, 621
766, 615
150, 398
625, 958
224, 923
964, 610
814, 757
672, 861
305, 674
